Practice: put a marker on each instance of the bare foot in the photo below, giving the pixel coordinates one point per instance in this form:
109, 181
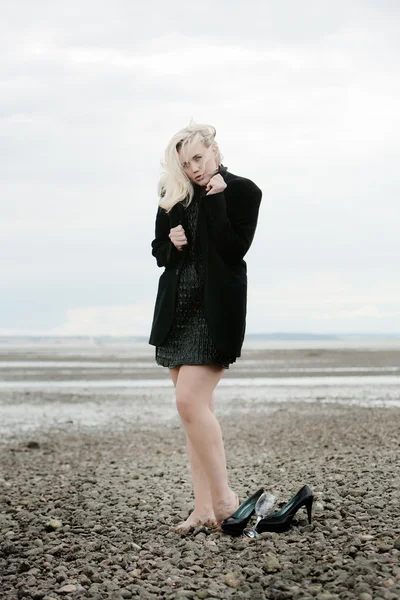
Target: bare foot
226, 509
195, 520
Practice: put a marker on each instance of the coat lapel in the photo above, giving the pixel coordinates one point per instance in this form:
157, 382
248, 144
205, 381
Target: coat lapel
176, 215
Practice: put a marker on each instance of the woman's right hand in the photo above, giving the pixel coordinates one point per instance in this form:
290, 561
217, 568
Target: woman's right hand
178, 237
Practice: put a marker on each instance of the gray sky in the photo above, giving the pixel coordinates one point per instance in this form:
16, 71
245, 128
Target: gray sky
304, 97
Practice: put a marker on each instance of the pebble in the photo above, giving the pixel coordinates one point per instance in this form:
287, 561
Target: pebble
271, 564
67, 589
53, 524
232, 580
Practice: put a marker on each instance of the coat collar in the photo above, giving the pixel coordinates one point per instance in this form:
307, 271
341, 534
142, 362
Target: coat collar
223, 171
177, 212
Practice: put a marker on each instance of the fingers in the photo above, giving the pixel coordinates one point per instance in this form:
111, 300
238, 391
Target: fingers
215, 185
215, 182
181, 240
211, 189
178, 237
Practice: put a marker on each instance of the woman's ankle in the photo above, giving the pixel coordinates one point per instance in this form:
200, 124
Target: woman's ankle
226, 506
203, 509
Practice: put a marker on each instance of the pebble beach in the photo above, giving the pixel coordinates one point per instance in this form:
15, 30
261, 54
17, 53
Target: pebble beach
94, 475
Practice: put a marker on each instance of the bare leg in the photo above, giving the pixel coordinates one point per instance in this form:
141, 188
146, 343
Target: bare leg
203, 513
194, 388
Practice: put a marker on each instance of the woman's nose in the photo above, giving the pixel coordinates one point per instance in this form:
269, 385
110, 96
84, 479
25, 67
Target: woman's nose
195, 167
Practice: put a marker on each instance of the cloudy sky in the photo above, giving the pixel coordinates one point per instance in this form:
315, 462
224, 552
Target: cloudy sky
305, 98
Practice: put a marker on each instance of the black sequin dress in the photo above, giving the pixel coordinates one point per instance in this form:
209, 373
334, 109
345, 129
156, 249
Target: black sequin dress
189, 341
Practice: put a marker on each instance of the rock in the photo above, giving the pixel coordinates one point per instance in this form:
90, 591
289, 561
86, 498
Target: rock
126, 593
397, 544
53, 524
211, 545
8, 548
67, 589
24, 566
271, 564
33, 444
367, 537
356, 493
115, 595
232, 580
56, 550
87, 570
135, 546
269, 535
202, 594
200, 529
362, 587
365, 596
137, 573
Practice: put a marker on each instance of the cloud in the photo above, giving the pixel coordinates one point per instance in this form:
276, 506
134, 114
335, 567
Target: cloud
304, 98
105, 320
323, 301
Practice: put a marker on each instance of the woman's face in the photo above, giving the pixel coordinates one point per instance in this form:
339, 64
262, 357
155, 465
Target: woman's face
199, 163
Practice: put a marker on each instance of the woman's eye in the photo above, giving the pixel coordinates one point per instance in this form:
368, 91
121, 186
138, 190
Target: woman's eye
198, 158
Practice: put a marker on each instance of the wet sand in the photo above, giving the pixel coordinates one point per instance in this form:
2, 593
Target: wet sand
128, 362
116, 477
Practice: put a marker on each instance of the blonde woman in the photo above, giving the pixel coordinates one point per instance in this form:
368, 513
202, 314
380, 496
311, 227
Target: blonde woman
205, 224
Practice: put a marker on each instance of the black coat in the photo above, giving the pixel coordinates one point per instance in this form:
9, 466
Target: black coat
227, 223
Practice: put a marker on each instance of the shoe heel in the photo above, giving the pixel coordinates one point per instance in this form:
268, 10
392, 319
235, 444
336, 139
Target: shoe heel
308, 503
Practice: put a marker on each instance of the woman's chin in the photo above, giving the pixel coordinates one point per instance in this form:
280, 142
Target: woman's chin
203, 181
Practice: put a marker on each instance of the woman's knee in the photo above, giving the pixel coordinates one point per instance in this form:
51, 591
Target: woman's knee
194, 389
186, 403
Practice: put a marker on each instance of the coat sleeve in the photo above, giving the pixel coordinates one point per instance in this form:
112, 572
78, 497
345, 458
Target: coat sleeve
165, 252
234, 233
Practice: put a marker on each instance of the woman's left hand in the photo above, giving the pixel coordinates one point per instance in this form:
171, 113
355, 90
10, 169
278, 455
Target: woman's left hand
215, 185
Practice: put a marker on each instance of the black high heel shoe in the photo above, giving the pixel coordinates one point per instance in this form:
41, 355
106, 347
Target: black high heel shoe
281, 520
235, 524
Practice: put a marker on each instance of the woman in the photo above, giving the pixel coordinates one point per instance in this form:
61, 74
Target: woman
205, 224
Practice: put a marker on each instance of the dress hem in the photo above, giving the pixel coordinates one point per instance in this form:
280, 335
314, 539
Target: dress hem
180, 364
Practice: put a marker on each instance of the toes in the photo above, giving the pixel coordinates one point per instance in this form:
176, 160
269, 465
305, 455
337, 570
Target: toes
210, 523
182, 528
186, 527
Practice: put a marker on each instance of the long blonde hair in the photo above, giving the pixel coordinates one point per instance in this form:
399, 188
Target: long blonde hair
174, 185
